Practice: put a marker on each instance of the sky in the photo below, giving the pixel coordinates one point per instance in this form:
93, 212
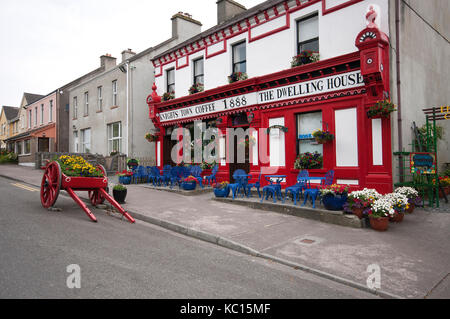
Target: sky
48, 43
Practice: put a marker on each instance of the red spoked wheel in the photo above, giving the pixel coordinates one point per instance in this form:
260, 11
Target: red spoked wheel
95, 196
51, 184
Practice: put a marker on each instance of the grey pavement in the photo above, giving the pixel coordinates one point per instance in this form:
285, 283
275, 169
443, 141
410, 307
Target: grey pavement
122, 260
414, 256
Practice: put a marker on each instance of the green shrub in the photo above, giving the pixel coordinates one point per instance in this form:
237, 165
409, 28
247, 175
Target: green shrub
119, 187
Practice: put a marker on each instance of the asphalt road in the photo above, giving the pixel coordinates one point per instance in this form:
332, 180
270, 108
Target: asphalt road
121, 260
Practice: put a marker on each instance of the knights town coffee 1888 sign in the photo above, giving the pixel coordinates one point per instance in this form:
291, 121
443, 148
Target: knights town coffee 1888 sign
324, 85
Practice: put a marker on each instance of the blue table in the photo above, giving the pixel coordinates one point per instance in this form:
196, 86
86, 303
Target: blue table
241, 182
311, 178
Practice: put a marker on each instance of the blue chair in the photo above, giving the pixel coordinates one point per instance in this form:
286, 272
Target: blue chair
134, 170
271, 190
196, 171
140, 174
165, 177
212, 178
175, 176
297, 189
312, 194
256, 185
239, 183
156, 176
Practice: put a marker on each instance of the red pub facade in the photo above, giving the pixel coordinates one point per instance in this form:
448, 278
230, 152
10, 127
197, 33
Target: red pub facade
286, 106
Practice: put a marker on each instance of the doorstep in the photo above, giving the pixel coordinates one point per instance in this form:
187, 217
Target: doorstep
322, 215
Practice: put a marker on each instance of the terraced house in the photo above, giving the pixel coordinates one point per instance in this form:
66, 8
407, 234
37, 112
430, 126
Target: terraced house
7, 127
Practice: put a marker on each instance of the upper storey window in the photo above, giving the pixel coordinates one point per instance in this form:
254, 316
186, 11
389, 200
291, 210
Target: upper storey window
240, 58
170, 81
308, 34
199, 71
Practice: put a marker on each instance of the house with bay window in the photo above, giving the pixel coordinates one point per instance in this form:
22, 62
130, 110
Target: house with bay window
344, 64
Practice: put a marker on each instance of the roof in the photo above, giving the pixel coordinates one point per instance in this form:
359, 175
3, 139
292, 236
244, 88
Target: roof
10, 112
239, 17
31, 98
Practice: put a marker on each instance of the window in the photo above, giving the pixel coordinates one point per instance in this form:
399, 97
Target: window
42, 113
50, 114
86, 103
198, 71
18, 149
35, 116
115, 137
239, 58
307, 123
86, 140
75, 107
99, 98
22, 121
170, 80
114, 90
308, 34
27, 147
29, 118
76, 142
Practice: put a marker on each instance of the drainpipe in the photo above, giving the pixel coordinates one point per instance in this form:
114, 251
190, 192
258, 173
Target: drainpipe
128, 108
399, 93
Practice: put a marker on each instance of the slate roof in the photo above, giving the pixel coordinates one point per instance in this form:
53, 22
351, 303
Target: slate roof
10, 112
31, 98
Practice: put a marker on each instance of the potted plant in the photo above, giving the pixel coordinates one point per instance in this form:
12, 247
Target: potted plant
360, 202
189, 183
237, 76
412, 195
444, 181
382, 109
151, 137
379, 214
334, 196
196, 88
168, 96
309, 161
131, 163
399, 203
305, 57
124, 177
120, 193
323, 137
221, 189
114, 153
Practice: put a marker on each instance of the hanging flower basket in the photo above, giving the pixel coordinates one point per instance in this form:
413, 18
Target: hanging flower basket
323, 137
151, 137
247, 141
382, 109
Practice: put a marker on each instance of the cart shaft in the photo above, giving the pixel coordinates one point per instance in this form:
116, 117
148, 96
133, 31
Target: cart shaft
81, 204
116, 205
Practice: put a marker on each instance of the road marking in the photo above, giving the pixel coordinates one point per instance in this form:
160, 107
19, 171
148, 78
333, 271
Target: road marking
28, 188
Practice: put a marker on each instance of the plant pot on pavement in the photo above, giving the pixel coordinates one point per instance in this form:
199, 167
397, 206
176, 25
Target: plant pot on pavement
379, 224
120, 195
334, 202
411, 208
358, 212
398, 217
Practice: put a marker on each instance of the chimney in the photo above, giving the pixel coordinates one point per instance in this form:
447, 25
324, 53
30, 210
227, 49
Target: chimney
107, 61
227, 9
184, 26
126, 54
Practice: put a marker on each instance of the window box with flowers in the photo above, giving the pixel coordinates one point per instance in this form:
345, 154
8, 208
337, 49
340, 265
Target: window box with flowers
237, 76
323, 137
334, 197
168, 96
382, 109
309, 161
305, 57
196, 88
151, 137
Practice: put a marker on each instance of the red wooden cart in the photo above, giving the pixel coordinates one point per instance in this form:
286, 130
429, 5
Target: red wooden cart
54, 180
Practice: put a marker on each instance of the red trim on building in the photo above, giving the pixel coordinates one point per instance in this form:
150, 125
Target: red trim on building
326, 10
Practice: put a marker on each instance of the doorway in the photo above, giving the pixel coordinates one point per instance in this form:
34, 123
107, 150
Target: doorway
43, 144
234, 159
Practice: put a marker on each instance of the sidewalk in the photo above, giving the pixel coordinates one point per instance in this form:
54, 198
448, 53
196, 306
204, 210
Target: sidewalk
414, 256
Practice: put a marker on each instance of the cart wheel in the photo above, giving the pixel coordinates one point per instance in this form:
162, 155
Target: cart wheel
51, 184
95, 196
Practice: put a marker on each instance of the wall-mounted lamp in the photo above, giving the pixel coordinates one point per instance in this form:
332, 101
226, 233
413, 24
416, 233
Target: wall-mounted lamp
74, 127
122, 69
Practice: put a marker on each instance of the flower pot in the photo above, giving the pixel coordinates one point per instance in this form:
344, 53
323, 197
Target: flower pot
125, 180
446, 190
398, 217
358, 212
188, 186
334, 203
120, 195
411, 208
222, 192
379, 224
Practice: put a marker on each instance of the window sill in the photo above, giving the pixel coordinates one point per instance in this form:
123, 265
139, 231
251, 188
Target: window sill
87, 115
114, 107
99, 111
23, 155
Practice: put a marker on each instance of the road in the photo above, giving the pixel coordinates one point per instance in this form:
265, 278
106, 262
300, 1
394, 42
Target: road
121, 260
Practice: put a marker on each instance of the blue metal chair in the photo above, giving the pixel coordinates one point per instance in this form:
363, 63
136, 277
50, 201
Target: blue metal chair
212, 178
156, 176
240, 182
175, 176
271, 190
140, 174
196, 171
311, 193
297, 189
256, 185
165, 177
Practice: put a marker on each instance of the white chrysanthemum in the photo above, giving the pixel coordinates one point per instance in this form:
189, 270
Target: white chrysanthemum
408, 192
